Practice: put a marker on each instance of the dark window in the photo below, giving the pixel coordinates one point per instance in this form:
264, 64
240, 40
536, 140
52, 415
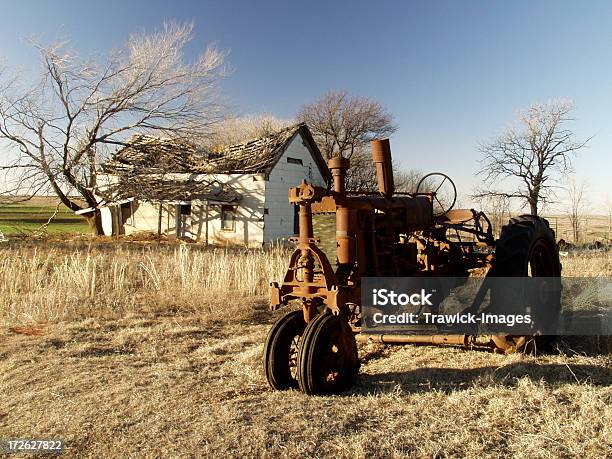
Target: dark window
294, 161
266, 211
185, 209
296, 219
228, 218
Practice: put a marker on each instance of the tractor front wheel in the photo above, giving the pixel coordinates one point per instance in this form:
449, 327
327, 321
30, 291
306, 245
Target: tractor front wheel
327, 359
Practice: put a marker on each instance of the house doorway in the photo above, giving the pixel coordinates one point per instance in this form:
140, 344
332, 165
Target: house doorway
183, 220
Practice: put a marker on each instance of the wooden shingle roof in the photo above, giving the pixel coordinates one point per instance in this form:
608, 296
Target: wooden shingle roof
148, 154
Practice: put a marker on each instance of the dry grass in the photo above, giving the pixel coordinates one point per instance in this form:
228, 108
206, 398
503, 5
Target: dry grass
587, 264
60, 281
148, 353
50, 284
591, 228
168, 386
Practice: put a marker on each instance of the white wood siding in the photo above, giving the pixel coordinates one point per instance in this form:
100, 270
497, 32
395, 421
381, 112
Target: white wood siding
279, 219
249, 224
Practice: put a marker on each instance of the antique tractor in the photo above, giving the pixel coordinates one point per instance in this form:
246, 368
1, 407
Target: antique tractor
384, 234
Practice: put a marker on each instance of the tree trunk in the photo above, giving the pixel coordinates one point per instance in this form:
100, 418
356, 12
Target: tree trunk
95, 223
533, 206
94, 219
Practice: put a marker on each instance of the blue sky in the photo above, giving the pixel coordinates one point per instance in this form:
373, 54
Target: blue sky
452, 73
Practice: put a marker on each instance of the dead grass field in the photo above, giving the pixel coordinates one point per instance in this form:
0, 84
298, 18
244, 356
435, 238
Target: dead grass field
143, 352
591, 227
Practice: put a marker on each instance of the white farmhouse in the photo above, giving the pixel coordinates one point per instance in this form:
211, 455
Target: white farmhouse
237, 195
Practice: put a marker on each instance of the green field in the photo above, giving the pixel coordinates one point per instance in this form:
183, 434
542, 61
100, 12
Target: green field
28, 217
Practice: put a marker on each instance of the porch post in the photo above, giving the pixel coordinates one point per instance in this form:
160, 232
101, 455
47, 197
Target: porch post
206, 222
159, 221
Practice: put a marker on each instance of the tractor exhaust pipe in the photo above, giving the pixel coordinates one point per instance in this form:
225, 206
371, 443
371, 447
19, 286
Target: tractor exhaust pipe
345, 240
381, 154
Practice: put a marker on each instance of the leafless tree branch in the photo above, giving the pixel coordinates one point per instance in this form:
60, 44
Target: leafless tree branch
578, 202
62, 128
533, 155
343, 125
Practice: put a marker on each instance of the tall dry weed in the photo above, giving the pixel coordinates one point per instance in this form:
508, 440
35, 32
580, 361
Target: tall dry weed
587, 264
38, 283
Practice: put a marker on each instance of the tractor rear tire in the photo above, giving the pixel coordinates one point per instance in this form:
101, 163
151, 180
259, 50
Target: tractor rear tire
327, 360
281, 349
524, 241
527, 247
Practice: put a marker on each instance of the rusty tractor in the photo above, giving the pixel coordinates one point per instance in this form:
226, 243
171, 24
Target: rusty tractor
385, 233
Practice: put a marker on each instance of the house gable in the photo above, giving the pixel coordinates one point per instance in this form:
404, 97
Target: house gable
303, 133
297, 163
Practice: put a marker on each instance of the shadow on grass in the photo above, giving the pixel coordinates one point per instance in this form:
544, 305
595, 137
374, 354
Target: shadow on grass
94, 351
453, 379
260, 313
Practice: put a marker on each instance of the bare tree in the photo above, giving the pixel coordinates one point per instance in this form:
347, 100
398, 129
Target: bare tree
233, 130
343, 125
609, 207
361, 176
531, 154
578, 204
407, 180
62, 128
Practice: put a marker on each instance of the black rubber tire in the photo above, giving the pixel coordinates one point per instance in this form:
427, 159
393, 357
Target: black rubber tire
324, 333
517, 239
276, 358
306, 342
527, 243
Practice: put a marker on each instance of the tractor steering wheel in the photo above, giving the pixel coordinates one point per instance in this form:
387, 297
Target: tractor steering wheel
443, 189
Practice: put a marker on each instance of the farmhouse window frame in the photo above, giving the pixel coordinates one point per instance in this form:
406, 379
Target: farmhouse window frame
291, 160
228, 218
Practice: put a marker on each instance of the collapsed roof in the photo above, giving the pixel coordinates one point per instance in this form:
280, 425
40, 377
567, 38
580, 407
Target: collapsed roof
156, 188
146, 154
